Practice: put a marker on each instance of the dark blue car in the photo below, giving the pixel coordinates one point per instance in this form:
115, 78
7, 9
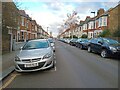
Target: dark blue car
82, 43
105, 46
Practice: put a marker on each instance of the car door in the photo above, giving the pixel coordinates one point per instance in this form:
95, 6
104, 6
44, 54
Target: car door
99, 45
93, 44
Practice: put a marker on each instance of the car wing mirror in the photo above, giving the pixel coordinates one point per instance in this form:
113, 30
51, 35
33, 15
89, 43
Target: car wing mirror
21, 48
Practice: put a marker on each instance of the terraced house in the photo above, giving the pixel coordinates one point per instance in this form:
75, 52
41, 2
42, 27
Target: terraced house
29, 29
94, 26
17, 26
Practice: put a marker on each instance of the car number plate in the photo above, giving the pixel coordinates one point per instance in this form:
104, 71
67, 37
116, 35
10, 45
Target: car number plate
31, 65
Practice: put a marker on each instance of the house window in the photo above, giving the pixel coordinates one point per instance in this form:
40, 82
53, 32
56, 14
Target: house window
104, 21
22, 21
27, 24
91, 34
22, 35
100, 22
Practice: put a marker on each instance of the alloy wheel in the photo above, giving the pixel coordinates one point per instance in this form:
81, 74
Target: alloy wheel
104, 53
89, 49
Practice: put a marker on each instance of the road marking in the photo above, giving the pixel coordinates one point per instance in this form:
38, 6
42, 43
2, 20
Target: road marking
9, 81
51, 70
55, 68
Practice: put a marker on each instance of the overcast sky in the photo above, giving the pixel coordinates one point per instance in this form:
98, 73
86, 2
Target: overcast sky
52, 13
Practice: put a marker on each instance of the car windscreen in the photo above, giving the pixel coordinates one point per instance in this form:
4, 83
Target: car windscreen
110, 41
74, 40
35, 45
84, 40
50, 40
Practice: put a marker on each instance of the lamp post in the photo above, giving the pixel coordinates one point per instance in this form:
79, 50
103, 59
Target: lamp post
94, 23
47, 29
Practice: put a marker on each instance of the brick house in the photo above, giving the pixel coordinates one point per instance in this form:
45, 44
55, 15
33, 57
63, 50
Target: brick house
10, 15
28, 27
22, 33
105, 20
86, 25
34, 30
114, 18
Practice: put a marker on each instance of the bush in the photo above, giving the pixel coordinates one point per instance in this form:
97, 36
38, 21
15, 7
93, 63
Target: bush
74, 36
84, 36
105, 33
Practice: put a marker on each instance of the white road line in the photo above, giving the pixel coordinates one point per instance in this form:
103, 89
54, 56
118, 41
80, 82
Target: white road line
55, 68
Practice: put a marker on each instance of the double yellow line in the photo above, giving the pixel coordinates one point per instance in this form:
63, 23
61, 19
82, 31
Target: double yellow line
9, 81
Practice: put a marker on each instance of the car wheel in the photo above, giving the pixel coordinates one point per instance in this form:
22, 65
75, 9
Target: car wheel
89, 49
81, 46
104, 53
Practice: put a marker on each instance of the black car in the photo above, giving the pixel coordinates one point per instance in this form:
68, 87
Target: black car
105, 46
82, 43
73, 42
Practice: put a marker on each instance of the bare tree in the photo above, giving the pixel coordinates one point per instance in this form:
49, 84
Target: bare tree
72, 19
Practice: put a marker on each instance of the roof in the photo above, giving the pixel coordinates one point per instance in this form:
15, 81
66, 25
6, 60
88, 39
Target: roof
23, 13
37, 40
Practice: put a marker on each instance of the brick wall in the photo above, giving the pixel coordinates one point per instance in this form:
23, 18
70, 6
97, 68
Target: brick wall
114, 19
10, 19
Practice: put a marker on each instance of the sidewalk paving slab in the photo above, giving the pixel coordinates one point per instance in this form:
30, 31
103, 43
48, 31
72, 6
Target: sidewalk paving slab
9, 57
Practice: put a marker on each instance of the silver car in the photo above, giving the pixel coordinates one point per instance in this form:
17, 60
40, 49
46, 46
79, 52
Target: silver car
52, 42
34, 55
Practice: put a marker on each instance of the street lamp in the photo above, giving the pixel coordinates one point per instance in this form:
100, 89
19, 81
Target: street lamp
94, 23
47, 29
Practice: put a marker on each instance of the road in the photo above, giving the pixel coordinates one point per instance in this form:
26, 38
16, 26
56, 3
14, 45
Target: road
75, 68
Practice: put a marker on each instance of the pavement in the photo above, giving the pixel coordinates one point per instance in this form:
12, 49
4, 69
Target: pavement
7, 61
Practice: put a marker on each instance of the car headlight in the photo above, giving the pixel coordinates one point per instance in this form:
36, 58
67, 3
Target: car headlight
48, 55
17, 59
113, 49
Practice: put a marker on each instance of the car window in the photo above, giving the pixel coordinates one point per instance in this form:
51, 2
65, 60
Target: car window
78, 40
74, 40
85, 40
99, 40
50, 40
36, 45
93, 40
110, 41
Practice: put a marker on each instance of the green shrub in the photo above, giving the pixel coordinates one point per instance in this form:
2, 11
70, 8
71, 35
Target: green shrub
105, 33
74, 36
84, 36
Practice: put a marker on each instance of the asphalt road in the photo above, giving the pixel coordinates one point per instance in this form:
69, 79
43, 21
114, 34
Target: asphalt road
75, 68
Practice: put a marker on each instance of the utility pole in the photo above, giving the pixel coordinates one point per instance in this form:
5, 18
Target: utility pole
47, 29
94, 23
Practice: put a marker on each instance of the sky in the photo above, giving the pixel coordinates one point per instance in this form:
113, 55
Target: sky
53, 13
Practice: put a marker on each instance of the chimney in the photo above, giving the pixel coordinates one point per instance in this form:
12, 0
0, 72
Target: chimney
100, 11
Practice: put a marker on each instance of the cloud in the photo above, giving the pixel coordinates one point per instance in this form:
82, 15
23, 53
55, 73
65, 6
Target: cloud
51, 14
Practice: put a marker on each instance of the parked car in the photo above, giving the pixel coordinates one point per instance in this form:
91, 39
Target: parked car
52, 42
67, 40
105, 46
34, 55
73, 42
82, 43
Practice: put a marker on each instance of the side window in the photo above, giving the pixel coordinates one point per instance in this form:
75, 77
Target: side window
99, 40
94, 40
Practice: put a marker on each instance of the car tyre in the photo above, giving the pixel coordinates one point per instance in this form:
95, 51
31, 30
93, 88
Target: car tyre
81, 47
89, 49
104, 53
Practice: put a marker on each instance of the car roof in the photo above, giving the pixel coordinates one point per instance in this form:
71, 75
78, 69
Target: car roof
38, 40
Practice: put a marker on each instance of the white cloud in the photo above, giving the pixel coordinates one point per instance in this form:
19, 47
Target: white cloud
51, 14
